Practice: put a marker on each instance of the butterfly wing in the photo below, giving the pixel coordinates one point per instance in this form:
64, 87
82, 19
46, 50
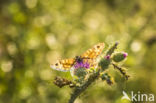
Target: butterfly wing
94, 52
91, 55
63, 65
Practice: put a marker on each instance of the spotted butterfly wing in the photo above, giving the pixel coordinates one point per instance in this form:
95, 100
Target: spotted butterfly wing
89, 56
94, 52
63, 65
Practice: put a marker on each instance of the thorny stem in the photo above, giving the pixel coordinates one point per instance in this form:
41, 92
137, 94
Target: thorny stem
111, 50
122, 71
78, 90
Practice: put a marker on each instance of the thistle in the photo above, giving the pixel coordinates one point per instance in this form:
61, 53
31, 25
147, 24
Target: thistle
85, 79
104, 62
118, 57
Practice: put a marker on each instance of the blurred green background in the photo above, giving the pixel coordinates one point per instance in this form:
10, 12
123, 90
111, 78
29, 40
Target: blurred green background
35, 33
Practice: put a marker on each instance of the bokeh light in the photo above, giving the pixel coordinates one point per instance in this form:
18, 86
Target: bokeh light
36, 33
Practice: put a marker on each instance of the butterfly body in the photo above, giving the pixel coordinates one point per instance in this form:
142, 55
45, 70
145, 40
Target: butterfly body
78, 59
89, 56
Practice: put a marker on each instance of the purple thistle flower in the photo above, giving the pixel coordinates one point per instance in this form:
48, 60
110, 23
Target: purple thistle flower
76, 66
125, 55
82, 65
107, 57
86, 65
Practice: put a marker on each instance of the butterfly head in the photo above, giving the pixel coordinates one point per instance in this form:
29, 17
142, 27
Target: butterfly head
78, 59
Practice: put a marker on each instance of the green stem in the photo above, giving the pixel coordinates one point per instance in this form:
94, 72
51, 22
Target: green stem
78, 90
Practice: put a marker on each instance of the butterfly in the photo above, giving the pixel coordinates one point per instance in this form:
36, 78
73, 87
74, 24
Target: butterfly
89, 56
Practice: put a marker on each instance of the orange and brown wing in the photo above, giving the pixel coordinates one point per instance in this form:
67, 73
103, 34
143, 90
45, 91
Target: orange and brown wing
94, 52
63, 65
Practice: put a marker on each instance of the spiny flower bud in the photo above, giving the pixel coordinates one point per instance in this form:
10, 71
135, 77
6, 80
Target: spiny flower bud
118, 57
107, 57
104, 62
104, 76
108, 78
60, 82
80, 72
